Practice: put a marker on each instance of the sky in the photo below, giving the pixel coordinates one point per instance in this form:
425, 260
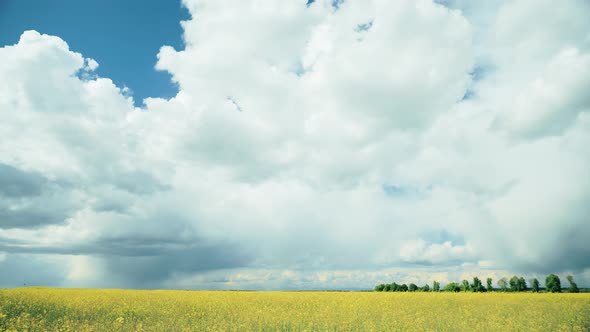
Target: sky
122, 36
293, 145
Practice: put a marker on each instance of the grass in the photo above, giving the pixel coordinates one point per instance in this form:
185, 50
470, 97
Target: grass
47, 309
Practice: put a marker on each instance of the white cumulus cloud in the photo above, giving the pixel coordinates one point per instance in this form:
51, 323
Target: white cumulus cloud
308, 146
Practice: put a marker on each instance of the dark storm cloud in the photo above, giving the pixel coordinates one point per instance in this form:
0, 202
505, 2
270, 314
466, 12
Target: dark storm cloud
127, 246
565, 250
30, 217
30, 270
573, 251
144, 262
151, 271
569, 252
18, 183
29, 200
130, 245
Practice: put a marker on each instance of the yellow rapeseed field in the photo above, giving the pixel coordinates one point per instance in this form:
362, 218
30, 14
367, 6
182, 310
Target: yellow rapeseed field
45, 309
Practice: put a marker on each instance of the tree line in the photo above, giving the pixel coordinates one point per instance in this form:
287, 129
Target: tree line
514, 284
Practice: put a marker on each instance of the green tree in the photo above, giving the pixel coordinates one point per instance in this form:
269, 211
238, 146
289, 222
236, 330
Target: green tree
465, 286
521, 285
403, 288
379, 288
387, 288
535, 285
573, 286
489, 285
436, 286
425, 288
412, 287
514, 286
477, 286
452, 287
503, 284
553, 284
394, 287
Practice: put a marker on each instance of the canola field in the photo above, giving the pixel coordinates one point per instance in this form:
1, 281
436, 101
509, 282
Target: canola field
46, 309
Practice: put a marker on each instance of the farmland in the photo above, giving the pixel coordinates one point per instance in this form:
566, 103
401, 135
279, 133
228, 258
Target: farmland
47, 309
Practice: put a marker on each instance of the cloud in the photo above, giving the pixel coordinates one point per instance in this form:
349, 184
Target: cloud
553, 100
29, 199
421, 252
32, 270
17, 183
304, 151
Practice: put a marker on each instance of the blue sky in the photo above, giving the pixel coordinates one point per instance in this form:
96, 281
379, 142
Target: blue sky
308, 144
124, 37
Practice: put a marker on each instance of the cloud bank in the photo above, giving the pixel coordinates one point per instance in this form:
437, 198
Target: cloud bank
310, 146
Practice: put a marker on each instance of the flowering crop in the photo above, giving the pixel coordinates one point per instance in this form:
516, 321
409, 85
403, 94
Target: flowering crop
45, 309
